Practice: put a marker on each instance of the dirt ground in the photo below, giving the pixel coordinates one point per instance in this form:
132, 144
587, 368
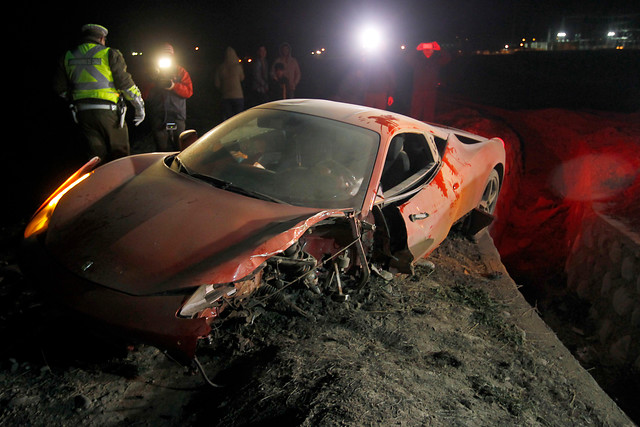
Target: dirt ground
452, 345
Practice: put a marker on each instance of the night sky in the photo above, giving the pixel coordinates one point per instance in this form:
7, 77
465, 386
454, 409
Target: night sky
307, 25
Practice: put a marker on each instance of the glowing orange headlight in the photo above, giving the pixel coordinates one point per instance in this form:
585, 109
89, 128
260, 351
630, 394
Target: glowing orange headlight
40, 220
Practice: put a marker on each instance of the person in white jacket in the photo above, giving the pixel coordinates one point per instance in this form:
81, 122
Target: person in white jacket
291, 69
228, 80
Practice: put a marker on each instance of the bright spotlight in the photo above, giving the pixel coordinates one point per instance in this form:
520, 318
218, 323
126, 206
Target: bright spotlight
371, 39
164, 62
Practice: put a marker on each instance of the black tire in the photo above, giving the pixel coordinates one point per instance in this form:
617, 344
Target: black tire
489, 198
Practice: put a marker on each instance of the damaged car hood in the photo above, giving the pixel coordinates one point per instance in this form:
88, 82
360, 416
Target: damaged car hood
161, 231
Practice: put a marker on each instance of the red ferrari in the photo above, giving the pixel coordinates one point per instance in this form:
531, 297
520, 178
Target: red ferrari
306, 193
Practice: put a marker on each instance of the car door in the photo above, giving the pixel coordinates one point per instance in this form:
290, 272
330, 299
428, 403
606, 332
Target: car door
421, 214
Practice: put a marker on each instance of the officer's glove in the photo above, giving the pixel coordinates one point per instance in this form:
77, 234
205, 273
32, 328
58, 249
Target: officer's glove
138, 105
139, 116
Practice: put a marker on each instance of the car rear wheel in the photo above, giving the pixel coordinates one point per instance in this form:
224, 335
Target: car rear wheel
489, 198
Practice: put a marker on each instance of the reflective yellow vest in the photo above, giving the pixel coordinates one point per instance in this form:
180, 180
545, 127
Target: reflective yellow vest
89, 73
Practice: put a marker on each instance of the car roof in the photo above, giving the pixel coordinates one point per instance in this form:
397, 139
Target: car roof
367, 117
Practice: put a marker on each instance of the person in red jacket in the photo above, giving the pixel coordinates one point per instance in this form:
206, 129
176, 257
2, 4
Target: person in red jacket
166, 100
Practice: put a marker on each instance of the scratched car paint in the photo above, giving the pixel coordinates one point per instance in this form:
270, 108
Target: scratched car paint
307, 193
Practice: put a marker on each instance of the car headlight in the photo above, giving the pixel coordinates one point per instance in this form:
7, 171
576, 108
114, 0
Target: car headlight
205, 296
214, 295
40, 220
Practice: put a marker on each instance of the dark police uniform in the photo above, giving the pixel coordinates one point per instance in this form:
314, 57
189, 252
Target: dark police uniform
94, 79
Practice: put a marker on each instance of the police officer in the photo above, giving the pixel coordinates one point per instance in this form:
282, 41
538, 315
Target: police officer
94, 79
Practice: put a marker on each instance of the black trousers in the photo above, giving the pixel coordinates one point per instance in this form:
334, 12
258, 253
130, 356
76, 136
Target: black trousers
103, 135
166, 139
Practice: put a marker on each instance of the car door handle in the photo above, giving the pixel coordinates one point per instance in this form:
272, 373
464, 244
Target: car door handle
418, 217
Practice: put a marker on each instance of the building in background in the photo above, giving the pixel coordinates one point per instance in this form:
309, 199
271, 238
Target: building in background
589, 32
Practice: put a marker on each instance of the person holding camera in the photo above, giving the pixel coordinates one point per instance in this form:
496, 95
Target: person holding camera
166, 100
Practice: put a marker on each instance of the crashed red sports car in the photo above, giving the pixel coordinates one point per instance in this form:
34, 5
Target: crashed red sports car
292, 193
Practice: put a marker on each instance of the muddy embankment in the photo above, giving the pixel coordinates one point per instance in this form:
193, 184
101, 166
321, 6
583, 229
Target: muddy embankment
568, 226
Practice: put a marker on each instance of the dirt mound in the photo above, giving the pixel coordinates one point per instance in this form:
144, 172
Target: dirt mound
454, 345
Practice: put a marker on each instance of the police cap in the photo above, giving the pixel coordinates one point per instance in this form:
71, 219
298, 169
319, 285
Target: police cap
94, 30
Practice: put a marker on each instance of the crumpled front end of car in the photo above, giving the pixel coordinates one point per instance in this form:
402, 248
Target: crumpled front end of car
115, 267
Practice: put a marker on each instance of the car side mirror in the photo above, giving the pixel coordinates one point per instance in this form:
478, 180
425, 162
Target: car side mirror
187, 138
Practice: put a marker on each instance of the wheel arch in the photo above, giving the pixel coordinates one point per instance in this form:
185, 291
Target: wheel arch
499, 167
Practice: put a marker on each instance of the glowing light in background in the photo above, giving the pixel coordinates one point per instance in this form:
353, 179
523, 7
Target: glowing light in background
164, 62
428, 48
371, 38
578, 179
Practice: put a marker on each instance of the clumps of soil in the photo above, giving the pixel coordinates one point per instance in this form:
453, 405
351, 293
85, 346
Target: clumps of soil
452, 344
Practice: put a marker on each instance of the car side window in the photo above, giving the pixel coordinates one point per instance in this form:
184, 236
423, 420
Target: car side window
419, 151
409, 159
396, 165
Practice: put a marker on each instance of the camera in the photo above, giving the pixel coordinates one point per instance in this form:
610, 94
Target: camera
165, 73
164, 82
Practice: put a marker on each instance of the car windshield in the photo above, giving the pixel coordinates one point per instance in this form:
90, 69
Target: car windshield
289, 157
